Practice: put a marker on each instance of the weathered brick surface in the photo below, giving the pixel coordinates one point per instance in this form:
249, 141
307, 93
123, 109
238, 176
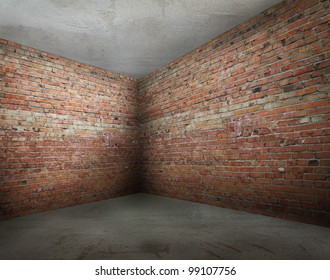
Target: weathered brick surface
243, 121
68, 132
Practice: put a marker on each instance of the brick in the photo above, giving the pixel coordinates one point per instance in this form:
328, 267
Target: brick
64, 152
271, 107
240, 122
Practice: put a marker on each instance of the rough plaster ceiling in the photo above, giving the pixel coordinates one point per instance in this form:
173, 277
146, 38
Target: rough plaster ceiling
131, 37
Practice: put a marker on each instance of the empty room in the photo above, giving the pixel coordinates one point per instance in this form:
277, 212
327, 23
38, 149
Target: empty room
164, 130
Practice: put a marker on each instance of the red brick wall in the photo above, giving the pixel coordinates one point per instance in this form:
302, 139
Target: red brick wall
243, 121
68, 132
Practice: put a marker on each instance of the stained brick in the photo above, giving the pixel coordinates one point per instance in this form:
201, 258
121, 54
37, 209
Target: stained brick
52, 147
240, 122
280, 129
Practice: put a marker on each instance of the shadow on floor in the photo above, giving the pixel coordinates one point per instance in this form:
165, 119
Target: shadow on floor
143, 226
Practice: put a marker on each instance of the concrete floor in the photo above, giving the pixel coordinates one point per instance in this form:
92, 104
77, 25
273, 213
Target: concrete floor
143, 226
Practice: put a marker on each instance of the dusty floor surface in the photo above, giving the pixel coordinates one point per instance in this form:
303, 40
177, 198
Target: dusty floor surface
143, 226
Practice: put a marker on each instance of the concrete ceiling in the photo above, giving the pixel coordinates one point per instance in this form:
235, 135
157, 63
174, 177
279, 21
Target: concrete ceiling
131, 37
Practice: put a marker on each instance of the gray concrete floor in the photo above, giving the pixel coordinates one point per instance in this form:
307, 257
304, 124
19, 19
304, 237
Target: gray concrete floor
143, 226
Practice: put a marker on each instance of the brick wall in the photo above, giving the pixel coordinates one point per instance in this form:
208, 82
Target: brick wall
68, 132
243, 121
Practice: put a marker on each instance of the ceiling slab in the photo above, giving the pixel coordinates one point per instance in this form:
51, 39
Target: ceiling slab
129, 37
